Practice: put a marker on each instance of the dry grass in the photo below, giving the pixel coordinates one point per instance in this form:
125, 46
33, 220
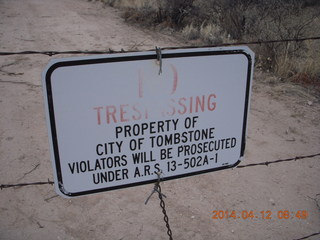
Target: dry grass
191, 32
309, 67
133, 4
222, 21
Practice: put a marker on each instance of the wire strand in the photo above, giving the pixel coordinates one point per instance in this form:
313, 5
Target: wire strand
306, 237
109, 51
267, 163
298, 158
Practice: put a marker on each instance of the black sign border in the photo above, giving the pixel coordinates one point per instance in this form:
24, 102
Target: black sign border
149, 56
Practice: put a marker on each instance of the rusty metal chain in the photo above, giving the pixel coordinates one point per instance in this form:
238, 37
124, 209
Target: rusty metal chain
163, 206
157, 189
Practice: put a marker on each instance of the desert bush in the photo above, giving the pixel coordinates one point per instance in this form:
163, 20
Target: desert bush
252, 20
224, 21
178, 10
191, 32
280, 20
156, 11
307, 67
213, 34
229, 15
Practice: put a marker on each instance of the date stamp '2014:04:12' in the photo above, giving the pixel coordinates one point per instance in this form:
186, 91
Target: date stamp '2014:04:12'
265, 214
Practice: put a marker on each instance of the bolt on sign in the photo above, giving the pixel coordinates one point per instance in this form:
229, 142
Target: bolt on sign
114, 121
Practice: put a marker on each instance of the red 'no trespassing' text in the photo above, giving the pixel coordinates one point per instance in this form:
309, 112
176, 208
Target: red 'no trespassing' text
139, 111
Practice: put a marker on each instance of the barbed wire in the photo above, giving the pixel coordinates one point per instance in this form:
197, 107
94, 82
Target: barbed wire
157, 188
311, 235
25, 184
109, 51
267, 163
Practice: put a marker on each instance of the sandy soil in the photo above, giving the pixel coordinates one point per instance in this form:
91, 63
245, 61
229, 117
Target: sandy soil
283, 122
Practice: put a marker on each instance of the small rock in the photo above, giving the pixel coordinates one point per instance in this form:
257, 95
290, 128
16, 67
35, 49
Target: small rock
192, 217
310, 103
272, 202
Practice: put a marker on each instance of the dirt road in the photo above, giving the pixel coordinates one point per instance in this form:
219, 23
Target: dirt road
283, 122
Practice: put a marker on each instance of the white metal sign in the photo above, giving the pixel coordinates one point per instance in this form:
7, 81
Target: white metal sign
114, 121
